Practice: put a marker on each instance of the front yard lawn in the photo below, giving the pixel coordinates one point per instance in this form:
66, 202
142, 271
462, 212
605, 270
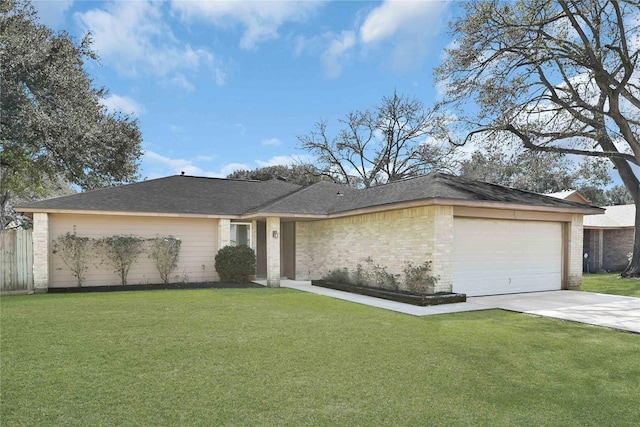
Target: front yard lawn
611, 284
281, 357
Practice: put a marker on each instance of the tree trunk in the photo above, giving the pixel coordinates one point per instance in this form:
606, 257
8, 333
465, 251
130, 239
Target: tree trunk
633, 186
633, 269
4, 202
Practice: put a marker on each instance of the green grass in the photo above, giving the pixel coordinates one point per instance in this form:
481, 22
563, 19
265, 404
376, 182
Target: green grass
280, 357
611, 284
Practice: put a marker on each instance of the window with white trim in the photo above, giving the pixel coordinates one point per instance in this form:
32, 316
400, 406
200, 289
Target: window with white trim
240, 234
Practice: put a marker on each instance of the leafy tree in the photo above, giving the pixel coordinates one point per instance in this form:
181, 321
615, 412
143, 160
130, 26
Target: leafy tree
617, 195
302, 174
387, 143
555, 76
76, 252
535, 171
48, 187
53, 125
121, 252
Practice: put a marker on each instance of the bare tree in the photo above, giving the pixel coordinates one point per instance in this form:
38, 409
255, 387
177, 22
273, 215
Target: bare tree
388, 143
556, 76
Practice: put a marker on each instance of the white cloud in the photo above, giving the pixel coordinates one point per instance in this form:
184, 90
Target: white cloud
272, 141
159, 165
300, 45
220, 77
202, 158
261, 19
409, 23
179, 80
52, 13
392, 17
171, 166
123, 104
228, 169
337, 53
134, 37
284, 160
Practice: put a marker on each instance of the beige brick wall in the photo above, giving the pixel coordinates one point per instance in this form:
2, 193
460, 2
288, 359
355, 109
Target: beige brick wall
199, 238
224, 232
273, 252
41, 251
389, 238
442, 246
574, 252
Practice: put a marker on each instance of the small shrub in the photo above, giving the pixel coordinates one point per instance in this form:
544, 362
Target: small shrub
165, 252
236, 263
338, 275
417, 278
361, 276
377, 276
121, 252
76, 252
383, 278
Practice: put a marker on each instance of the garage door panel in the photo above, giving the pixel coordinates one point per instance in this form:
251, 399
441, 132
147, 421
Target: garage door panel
506, 256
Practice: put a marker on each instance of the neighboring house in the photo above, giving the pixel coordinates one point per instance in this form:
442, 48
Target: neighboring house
571, 195
481, 238
608, 238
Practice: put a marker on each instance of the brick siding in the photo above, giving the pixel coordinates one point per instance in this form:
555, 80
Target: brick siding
616, 245
389, 238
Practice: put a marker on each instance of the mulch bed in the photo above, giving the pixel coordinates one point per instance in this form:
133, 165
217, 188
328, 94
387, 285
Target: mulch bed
116, 288
399, 296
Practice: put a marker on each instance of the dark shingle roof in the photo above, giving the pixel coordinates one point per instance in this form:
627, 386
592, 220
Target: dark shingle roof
175, 194
185, 194
319, 198
322, 198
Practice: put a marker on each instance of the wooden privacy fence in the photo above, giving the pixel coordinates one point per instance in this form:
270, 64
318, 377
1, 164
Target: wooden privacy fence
16, 260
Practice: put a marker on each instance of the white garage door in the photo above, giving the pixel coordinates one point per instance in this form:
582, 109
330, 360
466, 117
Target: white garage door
493, 257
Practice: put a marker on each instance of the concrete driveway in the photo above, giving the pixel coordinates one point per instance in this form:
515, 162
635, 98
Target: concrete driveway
585, 307
612, 311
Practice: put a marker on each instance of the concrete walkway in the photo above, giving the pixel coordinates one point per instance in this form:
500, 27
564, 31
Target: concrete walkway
617, 312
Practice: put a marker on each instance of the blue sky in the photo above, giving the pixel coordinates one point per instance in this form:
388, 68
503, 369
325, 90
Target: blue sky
226, 85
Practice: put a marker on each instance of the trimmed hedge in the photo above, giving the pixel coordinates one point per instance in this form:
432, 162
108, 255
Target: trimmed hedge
236, 263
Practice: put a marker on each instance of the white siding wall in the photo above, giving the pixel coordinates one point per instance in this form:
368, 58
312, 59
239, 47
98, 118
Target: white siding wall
199, 238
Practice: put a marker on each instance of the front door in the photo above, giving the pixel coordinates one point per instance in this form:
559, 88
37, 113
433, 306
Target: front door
261, 249
288, 250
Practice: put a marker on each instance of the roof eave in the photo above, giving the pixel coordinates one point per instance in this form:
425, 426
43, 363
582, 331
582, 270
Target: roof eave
587, 210
608, 227
125, 213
